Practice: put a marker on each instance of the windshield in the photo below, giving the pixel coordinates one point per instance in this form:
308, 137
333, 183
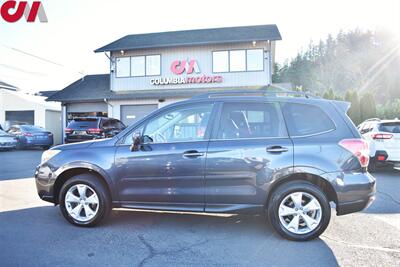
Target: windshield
83, 124
390, 127
31, 128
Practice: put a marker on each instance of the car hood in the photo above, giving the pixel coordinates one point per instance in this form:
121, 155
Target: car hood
85, 144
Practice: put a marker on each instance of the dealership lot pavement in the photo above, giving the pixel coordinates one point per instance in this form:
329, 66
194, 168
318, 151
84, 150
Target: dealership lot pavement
34, 233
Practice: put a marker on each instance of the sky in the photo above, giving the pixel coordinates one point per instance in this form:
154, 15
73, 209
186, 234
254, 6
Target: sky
50, 56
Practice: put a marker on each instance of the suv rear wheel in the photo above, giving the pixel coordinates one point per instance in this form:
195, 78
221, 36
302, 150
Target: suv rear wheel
84, 201
299, 211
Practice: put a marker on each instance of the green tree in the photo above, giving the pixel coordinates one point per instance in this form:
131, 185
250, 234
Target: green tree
367, 106
354, 111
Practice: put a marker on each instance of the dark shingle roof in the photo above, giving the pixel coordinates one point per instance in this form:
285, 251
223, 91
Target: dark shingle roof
8, 86
90, 87
47, 93
195, 37
97, 88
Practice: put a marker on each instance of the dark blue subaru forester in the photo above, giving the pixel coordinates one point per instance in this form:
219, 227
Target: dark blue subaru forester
286, 154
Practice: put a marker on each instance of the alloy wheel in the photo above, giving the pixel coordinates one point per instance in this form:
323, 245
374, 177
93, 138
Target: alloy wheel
300, 213
81, 202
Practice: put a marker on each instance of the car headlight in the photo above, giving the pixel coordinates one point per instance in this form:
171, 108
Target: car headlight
48, 154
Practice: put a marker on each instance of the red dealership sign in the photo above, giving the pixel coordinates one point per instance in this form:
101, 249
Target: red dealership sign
12, 11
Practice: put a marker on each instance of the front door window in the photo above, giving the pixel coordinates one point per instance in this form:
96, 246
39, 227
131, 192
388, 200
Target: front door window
181, 125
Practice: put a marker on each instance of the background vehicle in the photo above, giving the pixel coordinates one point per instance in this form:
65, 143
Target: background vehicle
29, 136
227, 152
7, 141
83, 129
383, 137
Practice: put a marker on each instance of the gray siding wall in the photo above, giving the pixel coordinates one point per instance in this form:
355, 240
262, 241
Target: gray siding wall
203, 55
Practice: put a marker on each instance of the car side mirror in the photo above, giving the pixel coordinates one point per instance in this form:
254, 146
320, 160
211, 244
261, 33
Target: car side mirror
136, 142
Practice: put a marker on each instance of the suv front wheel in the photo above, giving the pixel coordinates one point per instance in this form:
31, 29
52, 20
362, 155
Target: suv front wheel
84, 201
299, 211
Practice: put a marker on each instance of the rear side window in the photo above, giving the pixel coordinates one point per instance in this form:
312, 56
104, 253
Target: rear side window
304, 119
251, 120
390, 127
82, 124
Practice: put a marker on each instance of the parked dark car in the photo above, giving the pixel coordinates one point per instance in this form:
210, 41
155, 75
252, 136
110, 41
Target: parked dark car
29, 136
7, 141
90, 128
239, 152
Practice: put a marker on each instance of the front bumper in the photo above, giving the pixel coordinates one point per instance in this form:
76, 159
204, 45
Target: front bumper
45, 180
355, 191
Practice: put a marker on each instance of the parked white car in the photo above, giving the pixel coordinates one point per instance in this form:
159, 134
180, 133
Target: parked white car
383, 137
7, 141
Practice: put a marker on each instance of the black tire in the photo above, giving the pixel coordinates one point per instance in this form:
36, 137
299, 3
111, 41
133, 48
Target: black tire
372, 164
19, 146
284, 190
102, 193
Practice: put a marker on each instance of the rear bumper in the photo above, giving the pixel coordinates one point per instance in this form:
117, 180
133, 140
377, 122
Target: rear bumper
354, 191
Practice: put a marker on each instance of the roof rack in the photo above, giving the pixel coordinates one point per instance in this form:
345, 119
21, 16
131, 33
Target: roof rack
262, 93
373, 119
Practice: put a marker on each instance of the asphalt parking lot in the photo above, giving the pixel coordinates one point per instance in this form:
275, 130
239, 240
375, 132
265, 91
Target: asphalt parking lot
33, 233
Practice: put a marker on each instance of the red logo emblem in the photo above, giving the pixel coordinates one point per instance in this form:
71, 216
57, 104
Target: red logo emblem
12, 11
179, 66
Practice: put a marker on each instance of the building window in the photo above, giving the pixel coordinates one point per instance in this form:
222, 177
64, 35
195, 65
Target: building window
153, 65
138, 66
123, 67
255, 60
238, 60
221, 61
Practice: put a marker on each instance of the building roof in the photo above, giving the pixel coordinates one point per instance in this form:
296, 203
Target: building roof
92, 88
194, 37
47, 93
7, 86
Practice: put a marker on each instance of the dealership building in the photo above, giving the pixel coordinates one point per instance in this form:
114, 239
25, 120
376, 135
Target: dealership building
148, 71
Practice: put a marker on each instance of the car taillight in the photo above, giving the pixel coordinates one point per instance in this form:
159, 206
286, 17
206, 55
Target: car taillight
68, 130
380, 136
94, 131
359, 148
28, 134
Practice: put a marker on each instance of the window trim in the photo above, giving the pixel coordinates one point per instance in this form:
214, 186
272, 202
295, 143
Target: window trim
116, 68
145, 66
215, 129
229, 60
308, 135
144, 120
212, 61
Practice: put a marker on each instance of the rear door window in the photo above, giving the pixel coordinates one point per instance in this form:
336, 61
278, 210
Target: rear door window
390, 127
305, 119
251, 120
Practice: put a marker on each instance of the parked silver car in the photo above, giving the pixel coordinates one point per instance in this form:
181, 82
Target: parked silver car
7, 141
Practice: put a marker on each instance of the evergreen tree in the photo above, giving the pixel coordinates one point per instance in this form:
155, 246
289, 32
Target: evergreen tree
367, 106
354, 111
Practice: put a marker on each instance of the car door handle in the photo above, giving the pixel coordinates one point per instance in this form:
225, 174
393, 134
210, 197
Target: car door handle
277, 149
192, 154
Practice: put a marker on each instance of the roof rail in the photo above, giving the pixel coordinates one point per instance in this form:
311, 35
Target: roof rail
262, 93
373, 119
